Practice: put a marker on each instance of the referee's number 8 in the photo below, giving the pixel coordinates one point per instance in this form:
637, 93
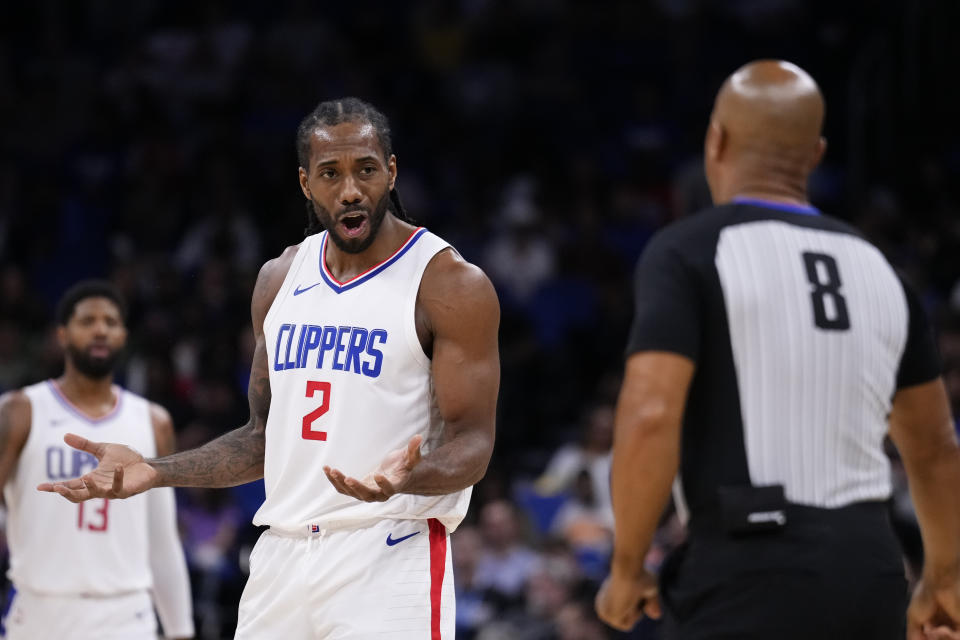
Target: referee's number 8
829, 305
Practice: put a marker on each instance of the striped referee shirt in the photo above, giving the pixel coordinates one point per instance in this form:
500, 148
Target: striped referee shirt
801, 333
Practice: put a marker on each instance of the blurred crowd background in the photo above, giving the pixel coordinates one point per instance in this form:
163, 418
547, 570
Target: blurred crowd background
152, 143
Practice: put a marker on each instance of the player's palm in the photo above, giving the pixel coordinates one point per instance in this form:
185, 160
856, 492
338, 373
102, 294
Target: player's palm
396, 466
121, 473
389, 478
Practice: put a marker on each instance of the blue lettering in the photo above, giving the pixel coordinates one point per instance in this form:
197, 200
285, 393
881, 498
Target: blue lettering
82, 462
55, 470
341, 333
277, 364
312, 341
375, 335
288, 363
358, 342
300, 356
326, 344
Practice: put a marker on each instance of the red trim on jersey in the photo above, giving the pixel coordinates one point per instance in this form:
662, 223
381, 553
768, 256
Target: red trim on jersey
323, 258
438, 563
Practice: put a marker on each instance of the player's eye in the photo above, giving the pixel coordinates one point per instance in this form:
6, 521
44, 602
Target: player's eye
328, 173
368, 170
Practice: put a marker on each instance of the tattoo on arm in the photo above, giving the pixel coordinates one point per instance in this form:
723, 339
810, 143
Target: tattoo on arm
235, 457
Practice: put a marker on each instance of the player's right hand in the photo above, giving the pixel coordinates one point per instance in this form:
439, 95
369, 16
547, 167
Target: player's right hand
934, 612
122, 473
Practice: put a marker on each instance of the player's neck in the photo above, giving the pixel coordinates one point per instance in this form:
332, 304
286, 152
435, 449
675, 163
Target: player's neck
85, 391
390, 237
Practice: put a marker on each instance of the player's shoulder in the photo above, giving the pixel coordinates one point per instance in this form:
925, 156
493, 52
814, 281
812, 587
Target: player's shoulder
276, 268
270, 279
16, 413
451, 281
449, 271
15, 400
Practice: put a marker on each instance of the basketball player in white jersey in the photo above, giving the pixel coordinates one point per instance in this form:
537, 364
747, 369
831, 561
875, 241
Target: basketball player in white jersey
94, 569
372, 399
787, 348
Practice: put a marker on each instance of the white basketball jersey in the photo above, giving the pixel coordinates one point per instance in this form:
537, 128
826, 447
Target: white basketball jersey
98, 547
349, 384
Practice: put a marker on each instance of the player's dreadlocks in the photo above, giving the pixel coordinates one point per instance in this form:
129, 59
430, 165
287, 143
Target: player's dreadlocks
334, 112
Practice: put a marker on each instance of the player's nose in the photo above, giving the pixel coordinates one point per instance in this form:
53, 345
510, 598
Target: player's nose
350, 192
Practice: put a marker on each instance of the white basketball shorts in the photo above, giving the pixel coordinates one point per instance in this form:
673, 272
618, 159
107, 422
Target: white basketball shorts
390, 579
32, 616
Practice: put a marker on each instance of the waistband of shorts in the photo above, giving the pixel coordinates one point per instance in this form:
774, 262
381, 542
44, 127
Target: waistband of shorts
868, 514
83, 595
326, 526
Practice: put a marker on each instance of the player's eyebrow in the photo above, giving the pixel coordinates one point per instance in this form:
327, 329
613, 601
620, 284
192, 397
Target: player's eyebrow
334, 161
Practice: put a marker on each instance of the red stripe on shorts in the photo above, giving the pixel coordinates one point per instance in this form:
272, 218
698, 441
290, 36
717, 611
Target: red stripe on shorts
438, 563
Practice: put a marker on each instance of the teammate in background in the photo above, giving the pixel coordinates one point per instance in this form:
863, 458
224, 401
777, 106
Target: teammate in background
372, 398
88, 571
782, 342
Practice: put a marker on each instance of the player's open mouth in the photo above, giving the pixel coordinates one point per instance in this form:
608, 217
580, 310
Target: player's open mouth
353, 224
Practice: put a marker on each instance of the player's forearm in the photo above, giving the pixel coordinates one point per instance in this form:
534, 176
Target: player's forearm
455, 465
233, 458
933, 486
645, 461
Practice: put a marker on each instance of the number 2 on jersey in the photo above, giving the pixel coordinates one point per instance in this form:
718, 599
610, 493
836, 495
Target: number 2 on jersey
313, 387
829, 306
96, 518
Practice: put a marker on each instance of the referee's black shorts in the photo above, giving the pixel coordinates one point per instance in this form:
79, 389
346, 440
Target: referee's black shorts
827, 575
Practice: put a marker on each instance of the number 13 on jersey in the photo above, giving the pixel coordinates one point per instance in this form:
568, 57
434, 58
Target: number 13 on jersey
314, 387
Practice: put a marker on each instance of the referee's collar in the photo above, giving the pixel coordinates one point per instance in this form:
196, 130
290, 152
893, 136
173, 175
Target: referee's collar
780, 206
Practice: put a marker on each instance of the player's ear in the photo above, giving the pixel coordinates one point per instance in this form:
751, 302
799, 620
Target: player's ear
392, 171
303, 183
62, 336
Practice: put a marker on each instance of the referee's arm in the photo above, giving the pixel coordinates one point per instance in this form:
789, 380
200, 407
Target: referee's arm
922, 429
646, 457
662, 355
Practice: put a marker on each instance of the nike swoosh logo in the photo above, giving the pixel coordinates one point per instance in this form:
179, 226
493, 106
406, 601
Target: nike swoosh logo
297, 291
393, 541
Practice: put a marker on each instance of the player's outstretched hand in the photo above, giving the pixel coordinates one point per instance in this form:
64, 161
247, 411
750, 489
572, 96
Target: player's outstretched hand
934, 612
622, 601
122, 473
388, 479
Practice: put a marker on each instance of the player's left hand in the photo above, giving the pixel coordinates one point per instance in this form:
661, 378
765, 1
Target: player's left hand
388, 479
622, 601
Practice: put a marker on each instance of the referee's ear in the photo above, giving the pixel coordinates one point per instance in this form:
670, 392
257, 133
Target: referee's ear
820, 151
716, 142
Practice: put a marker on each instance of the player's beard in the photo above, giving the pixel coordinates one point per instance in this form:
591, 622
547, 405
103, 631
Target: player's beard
353, 245
96, 367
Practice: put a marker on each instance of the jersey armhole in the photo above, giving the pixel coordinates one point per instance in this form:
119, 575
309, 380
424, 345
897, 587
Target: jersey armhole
303, 251
410, 312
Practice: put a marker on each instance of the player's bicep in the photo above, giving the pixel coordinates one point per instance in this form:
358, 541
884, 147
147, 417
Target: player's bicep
163, 433
269, 281
466, 364
15, 417
258, 388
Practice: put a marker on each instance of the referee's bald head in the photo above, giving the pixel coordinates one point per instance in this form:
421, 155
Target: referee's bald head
764, 130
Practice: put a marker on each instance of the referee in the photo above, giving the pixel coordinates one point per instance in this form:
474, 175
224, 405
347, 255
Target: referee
787, 348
